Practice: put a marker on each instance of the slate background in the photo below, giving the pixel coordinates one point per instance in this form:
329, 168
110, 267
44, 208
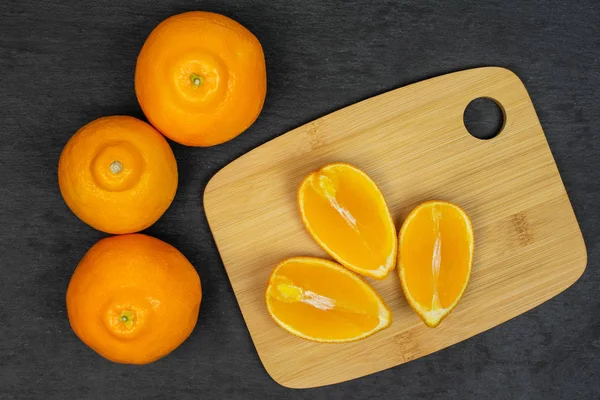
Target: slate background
65, 64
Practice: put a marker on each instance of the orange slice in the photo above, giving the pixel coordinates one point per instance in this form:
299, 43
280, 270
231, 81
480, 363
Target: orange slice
435, 259
345, 212
320, 300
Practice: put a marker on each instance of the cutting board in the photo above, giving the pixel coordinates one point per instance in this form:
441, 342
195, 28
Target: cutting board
412, 141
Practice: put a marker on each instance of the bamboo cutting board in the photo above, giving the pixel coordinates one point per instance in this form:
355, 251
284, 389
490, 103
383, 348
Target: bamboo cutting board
412, 141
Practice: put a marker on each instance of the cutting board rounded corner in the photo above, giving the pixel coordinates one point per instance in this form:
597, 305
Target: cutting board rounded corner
582, 255
280, 380
212, 187
208, 189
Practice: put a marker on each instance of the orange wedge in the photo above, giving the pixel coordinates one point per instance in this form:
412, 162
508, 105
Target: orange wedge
320, 300
346, 214
435, 259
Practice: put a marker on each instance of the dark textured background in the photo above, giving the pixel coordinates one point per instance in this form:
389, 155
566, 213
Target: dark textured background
63, 65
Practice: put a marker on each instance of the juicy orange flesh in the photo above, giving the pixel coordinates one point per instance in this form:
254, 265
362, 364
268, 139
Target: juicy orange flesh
322, 302
346, 211
435, 252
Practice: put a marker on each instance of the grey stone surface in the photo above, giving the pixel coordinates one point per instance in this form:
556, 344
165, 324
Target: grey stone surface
63, 64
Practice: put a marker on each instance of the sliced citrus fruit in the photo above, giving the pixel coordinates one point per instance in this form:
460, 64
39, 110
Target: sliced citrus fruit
435, 259
320, 300
345, 212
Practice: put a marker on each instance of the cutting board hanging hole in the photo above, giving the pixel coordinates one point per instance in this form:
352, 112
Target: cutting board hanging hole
484, 118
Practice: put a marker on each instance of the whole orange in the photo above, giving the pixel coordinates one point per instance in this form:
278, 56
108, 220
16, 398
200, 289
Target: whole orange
118, 174
133, 298
201, 78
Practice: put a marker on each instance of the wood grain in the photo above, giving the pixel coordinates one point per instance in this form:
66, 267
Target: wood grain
412, 141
